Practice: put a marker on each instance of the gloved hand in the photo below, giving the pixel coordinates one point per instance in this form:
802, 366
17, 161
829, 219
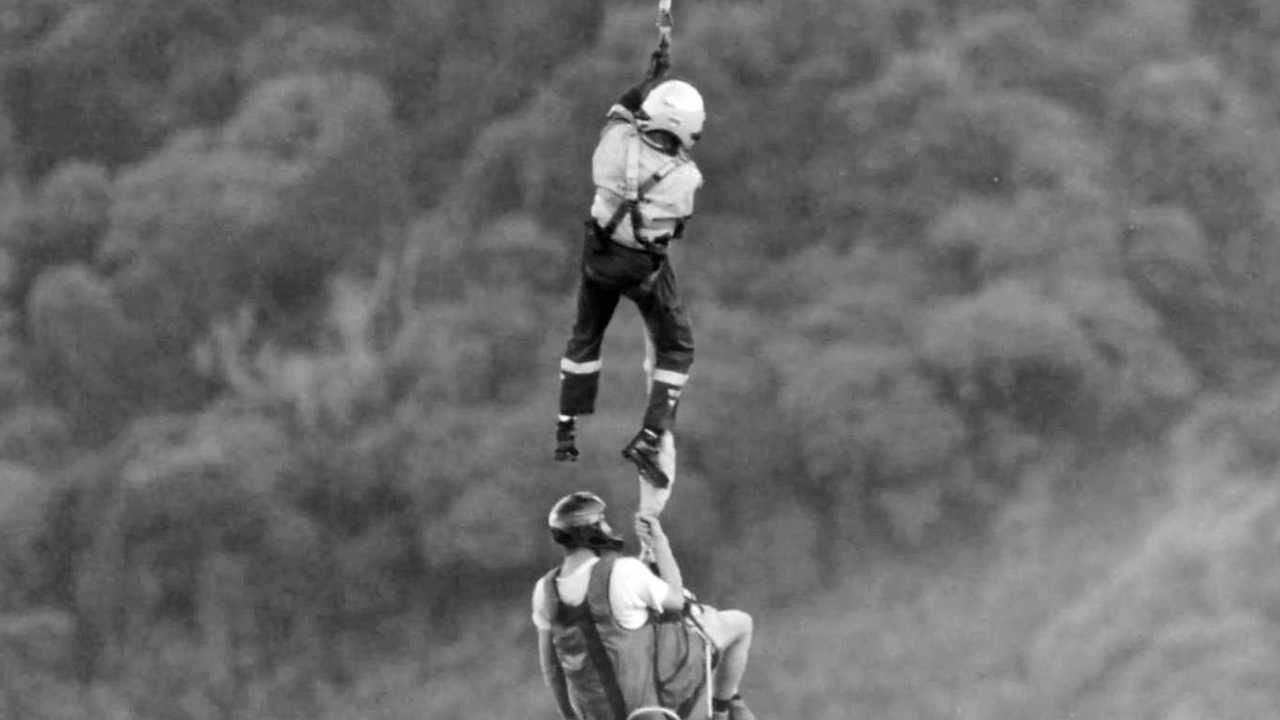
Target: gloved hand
659, 62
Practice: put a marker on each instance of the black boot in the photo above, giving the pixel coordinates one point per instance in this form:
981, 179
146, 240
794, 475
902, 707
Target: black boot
565, 436
735, 708
643, 451
738, 709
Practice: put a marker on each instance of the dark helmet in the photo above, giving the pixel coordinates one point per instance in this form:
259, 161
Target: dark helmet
577, 521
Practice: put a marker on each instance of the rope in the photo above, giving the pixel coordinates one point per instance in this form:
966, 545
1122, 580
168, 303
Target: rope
710, 677
707, 645
665, 26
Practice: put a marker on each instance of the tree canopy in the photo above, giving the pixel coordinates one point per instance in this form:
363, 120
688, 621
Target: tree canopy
283, 286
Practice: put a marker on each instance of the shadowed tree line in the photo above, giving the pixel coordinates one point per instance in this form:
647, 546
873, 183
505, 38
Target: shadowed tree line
283, 286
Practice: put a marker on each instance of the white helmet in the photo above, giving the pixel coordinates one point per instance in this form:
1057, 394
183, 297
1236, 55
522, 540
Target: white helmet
674, 106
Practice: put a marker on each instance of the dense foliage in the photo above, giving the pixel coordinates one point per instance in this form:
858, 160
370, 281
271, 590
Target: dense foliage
283, 285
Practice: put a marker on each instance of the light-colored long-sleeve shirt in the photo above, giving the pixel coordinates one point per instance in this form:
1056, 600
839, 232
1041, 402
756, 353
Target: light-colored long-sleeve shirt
663, 206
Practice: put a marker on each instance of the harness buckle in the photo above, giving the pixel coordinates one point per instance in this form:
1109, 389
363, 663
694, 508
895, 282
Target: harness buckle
657, 245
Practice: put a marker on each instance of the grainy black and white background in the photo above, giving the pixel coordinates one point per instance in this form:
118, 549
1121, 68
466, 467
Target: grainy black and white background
982, 424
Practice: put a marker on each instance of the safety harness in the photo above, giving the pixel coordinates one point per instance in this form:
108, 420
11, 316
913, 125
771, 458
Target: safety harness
636, 189
635, 193
682, 669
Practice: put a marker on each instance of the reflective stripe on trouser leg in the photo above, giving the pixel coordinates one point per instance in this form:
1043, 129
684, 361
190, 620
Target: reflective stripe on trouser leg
580, 366
579, 383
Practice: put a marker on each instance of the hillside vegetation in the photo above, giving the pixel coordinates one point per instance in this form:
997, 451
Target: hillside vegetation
981, 423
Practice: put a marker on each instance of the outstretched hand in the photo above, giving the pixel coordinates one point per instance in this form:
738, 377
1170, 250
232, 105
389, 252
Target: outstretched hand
649, 530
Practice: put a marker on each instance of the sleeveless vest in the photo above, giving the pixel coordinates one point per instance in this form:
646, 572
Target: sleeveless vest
608, 669
611, 671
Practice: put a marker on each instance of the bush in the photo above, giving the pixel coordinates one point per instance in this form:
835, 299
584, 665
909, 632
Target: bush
1161, 634
866, 423
89, 355
1012, 351
62, 224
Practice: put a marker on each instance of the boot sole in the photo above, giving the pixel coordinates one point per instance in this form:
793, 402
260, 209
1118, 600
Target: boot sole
649, 470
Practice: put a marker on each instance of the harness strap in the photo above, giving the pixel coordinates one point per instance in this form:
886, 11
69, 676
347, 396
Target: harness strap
636, 190
608, 677
684, 649
632, 188
631, 205
597, 595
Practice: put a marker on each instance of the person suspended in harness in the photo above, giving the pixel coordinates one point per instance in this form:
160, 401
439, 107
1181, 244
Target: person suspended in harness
645, 185
618, 642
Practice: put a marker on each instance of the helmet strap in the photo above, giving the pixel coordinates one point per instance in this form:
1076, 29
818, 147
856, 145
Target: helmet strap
663, 140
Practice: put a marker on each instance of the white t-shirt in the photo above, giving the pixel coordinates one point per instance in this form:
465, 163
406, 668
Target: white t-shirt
633, 591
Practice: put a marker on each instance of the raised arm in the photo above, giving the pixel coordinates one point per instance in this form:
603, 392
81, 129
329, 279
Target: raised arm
659, 64
650, 531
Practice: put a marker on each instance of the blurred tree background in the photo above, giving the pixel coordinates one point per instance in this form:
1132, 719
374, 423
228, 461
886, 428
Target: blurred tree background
983, 418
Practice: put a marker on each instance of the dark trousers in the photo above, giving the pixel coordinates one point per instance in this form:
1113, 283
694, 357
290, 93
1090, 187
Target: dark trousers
610, 272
